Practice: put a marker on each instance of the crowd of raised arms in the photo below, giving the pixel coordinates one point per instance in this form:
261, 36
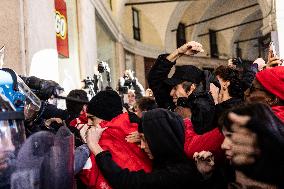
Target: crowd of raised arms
196, 129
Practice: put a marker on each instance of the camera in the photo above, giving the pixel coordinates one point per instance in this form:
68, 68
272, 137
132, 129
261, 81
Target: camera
128, 83
103, 66
87, 82
237, 61
123, 90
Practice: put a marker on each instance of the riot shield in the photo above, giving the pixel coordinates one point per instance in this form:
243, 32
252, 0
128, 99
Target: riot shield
46, 161
59, 162
12, 136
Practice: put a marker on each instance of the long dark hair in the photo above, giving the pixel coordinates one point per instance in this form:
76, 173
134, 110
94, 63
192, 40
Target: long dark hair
235, 88
270, 140
263, 121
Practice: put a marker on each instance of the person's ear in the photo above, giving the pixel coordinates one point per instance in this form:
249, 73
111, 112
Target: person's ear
191, 89
226, 85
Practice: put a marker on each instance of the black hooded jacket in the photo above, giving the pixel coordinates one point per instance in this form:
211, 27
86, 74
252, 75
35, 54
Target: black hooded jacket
200, 102
269, 165
164, 132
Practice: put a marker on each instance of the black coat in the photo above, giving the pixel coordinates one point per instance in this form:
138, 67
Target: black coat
164, 132
157, 75
224, 107
200, 102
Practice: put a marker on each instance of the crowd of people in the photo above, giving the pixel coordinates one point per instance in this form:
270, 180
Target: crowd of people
196, 129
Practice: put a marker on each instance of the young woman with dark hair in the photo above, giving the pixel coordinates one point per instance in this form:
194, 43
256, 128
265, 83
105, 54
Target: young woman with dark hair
268, 88
231, 90
254, 143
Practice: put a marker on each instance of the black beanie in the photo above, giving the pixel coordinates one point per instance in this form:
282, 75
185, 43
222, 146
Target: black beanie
105, 105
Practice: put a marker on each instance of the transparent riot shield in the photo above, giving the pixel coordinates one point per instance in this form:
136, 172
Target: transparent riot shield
12, 136
45, 161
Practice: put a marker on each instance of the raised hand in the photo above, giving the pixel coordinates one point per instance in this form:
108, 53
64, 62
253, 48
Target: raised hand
190, 48
133, 137
273, 60
204, 162
260, 63
93, 136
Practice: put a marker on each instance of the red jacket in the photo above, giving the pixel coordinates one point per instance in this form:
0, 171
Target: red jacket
210, 141
279, 112
125, 154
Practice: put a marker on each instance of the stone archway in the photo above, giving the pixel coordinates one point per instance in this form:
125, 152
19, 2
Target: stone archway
170, 37
265, 6
228, 35
182, 7
255, 31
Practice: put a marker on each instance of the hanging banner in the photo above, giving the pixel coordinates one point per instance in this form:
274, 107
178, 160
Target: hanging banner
61, 28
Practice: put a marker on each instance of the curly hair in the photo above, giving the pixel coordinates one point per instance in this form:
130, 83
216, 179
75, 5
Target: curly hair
235, 88
146, 103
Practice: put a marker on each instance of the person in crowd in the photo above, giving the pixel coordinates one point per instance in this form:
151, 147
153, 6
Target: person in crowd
171, 168
231, 92
105, 109
268, 88
254, 144
49, 117
131, 100
187, 81
130, 89
273, 59
187, 93
76, 109
209, 141
144, 104
77, 113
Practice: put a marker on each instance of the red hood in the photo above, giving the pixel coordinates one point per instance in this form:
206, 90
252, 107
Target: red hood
125, 154
279, 112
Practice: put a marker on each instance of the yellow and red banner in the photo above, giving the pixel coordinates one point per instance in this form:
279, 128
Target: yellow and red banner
61, 28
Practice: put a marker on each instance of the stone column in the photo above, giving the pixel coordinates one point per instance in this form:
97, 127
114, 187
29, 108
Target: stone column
120, 59
280, 25
40, 36
12, 34
87, 37
140, 69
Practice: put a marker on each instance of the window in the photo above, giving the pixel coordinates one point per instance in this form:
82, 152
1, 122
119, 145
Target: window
136, 28
110, 4
213, 44
238, 51
181, 35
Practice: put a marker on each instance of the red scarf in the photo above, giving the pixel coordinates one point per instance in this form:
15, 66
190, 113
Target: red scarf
125, 154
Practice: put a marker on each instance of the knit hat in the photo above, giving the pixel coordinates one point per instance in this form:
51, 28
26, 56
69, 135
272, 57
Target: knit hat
272, 80
105, 105
185, 73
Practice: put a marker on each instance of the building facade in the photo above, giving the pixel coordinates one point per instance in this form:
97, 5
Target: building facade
64, 40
